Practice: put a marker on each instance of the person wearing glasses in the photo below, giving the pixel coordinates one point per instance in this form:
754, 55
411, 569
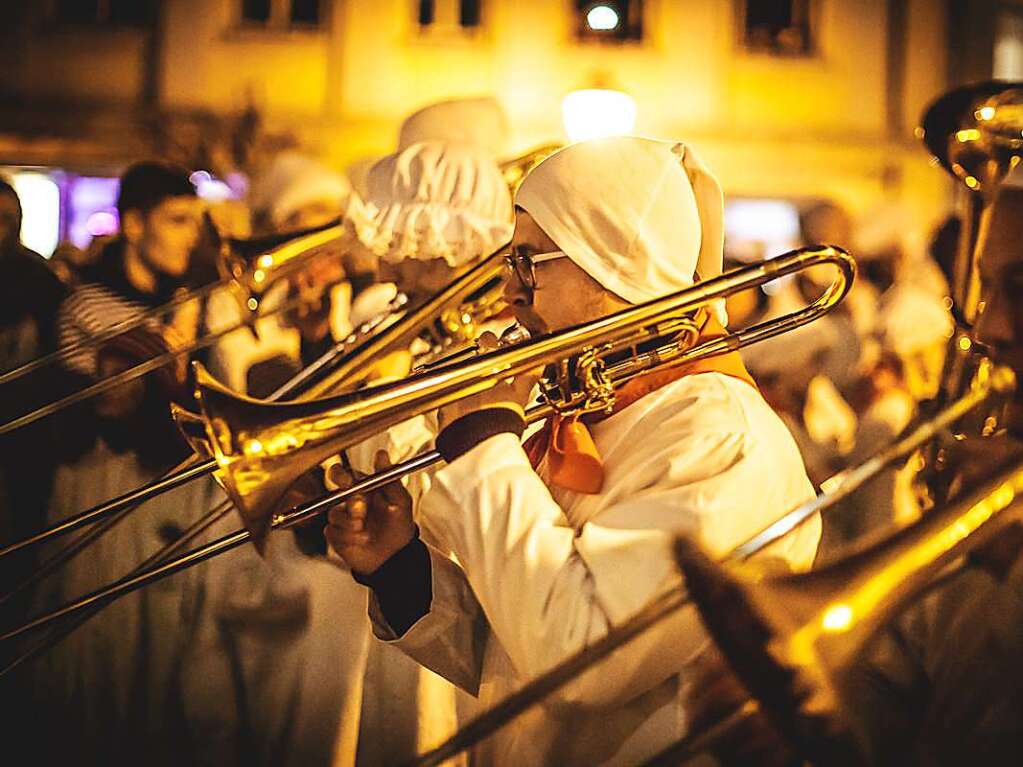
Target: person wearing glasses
521, 554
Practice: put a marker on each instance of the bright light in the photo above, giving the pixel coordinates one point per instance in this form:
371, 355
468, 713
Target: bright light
101, 223
985, 113
40, 205
837, 618
595, 113
602, 18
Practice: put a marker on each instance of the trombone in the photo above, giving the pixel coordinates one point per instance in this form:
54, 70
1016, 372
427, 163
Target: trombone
260, 449
517, 168
247, 276
450, 318
976, 134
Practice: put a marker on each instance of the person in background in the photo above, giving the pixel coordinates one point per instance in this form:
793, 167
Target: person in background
433, 209
112, 681
479, 123
30, 295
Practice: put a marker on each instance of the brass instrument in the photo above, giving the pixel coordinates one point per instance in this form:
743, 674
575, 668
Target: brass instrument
248, 272
976, 134
448, 318
516, 169
261, 449
793, 639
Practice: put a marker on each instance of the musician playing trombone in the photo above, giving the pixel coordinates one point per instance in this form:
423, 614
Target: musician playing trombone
521, 554
942, 683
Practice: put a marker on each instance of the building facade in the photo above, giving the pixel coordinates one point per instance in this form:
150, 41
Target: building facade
818, 102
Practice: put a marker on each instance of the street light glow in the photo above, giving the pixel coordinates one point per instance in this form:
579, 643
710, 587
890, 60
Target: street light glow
602, 18
597, 113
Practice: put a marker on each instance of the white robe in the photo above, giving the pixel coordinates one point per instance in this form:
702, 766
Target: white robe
545, 572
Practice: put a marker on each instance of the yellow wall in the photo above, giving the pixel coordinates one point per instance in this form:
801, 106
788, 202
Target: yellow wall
803, 127
93, 65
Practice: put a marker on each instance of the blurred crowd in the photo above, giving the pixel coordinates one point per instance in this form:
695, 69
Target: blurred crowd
250, 659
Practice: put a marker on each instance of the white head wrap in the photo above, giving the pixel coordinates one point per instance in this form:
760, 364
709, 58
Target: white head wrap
475, 122
292, 182
435, 200
642, 217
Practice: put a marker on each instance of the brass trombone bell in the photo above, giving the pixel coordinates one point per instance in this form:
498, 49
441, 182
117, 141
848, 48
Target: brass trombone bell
262, 449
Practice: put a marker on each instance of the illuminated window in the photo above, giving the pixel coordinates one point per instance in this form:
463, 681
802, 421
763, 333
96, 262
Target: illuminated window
136, 13
612, 20
466, 14
280, 14
781, 27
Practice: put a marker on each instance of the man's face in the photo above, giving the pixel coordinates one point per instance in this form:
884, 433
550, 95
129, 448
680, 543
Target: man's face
169, 234
564, 294
999, 325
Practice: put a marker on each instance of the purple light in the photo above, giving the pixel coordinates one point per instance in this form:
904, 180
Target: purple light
88, 196
101, 223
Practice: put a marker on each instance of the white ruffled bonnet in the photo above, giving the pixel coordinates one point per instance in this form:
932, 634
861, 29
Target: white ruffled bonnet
434, 200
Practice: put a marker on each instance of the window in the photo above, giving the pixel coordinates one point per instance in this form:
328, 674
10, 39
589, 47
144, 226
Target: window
463, 14
280, 14
132, 13
781, 27
611, 20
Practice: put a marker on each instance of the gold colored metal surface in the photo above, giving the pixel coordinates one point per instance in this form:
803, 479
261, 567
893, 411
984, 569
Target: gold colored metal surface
246, 278
794, 638
261, 449
516, 169
976, 133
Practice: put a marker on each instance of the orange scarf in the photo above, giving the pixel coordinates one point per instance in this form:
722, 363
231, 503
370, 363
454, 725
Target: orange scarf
573, 461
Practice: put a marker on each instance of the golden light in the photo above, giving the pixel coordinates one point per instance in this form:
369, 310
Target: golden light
602, 18
598, 113
971, 182
259, 275
837, 618
253, 304
968, 134
265, 262
985, 113
965, 344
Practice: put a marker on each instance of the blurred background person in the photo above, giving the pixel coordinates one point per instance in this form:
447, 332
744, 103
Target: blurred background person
435, 209
112, 680
30, 294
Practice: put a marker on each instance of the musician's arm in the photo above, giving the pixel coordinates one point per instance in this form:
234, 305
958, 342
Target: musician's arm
548, 592
422, 603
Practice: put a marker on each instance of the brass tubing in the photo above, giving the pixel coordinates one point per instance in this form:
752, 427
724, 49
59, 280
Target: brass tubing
137, 371
213, 516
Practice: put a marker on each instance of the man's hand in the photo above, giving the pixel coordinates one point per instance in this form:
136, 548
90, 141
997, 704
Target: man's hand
367, 530
512, 392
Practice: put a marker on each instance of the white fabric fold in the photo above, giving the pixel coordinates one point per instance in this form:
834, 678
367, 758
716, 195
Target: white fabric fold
643, 217
435, 200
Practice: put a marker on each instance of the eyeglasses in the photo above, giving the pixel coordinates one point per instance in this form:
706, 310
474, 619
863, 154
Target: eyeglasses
523, 263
